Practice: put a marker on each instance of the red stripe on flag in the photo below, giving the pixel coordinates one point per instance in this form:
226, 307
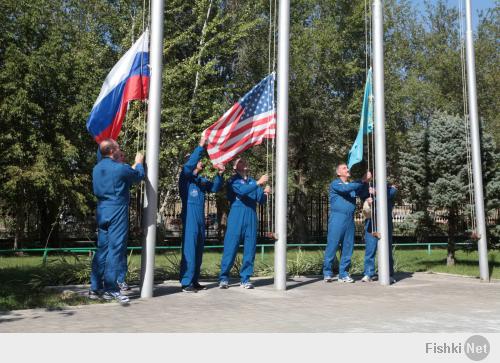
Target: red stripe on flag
136, 88
240, 130
232, 115
225, 149
226, 157
250, 126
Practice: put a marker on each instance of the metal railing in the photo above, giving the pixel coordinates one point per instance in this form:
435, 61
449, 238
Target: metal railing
314, 212
261, 247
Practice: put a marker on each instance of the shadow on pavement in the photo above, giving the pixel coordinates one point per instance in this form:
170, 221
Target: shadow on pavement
8, 317
310, 280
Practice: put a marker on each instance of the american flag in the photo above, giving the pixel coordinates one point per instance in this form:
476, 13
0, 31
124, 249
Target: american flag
244, 125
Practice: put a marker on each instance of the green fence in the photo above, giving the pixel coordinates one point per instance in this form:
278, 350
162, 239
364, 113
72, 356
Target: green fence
261, 247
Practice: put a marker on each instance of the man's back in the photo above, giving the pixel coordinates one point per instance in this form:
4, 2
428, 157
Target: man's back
112, 180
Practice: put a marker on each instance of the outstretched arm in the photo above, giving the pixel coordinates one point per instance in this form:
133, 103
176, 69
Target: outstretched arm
217, 184
213, 186
243, 190
346, 188
263, 194
99, 155
190, 165
132, 175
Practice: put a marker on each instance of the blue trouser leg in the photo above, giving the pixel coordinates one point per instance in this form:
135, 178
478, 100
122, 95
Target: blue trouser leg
231, 242
200, 245
117, 237
183, 265
335, 234
250, 244
347, 247
370, 250
99, 259
122, 275
191, 237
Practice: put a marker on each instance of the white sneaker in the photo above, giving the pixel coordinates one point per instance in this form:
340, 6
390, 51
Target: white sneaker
346, 279
115, 295
123, 286
366, 278
223, 285
246, 285
328, 279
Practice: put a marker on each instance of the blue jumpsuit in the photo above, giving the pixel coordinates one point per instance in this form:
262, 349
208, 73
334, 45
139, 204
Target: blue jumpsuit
111, 183
371, 241
192, 189
243, 194
341, 224
122, 273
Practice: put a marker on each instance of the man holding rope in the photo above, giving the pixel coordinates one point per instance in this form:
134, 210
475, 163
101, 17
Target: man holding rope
341, 221
192, 188
243, 193
111, 184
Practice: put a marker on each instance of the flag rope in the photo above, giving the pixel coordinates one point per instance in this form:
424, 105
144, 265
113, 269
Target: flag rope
472, 222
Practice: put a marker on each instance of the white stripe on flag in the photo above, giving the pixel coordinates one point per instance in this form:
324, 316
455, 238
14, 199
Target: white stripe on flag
121, 69
230, 154
241, 124
238, 112
233, 140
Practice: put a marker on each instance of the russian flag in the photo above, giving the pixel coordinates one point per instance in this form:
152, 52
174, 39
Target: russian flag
127, 81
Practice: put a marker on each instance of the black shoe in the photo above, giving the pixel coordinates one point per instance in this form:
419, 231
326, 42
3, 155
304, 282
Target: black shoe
189, 288
198, 286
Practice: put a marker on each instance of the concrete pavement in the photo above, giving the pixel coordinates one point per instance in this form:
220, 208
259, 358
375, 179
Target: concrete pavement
418, 302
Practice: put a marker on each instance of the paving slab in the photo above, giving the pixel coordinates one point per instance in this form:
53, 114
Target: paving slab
418, 302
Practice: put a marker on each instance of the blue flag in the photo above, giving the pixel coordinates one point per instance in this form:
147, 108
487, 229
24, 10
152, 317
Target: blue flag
365, 124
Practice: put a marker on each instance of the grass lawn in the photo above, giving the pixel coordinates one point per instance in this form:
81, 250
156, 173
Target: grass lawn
23, 279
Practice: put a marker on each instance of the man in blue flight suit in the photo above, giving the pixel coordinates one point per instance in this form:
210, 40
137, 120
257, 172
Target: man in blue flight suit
371, 241
111, 183
341, 221
243, 193
119, 156
122, 284
192, 188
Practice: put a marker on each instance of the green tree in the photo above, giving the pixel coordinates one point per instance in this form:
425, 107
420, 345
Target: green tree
53, 58
434, 169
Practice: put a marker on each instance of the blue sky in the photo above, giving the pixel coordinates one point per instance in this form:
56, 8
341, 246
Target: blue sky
476, 6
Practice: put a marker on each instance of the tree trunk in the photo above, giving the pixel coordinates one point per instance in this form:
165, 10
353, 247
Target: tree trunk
452, 227
298, 211
49, 223
222, 211
20, 221
450, 258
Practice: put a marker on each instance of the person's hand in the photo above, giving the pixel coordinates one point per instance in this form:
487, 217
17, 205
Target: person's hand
221, 168
139, 158
203, 140
371, 190
367, 177
267, 189
263, 179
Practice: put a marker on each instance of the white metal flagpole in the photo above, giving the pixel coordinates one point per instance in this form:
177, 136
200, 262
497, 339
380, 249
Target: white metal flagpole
282, 147
152, 150
380, 156
476, 147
